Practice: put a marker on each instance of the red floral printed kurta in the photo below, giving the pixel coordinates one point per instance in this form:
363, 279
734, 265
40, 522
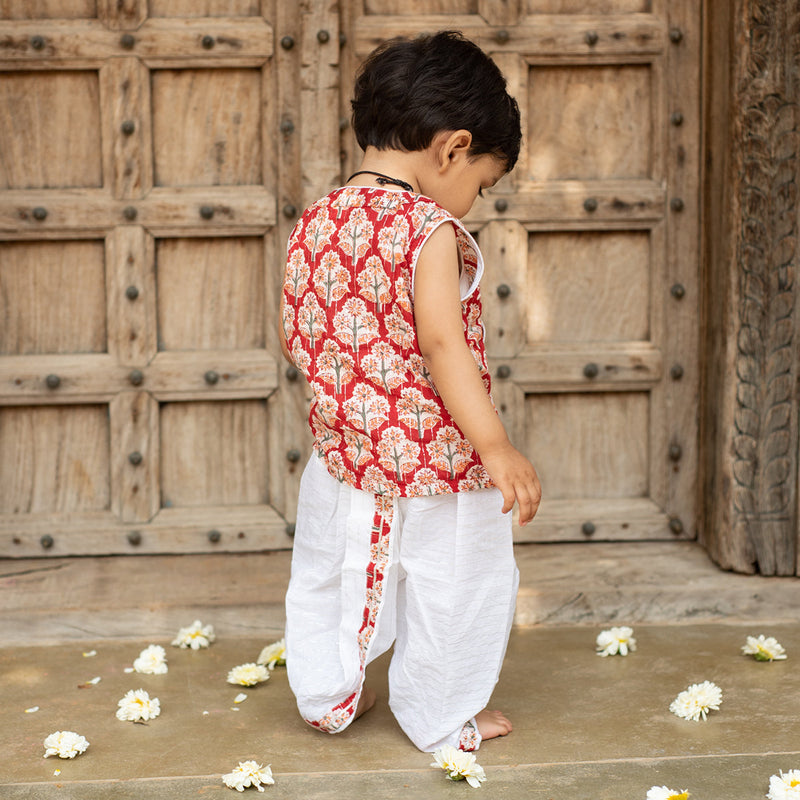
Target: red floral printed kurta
378, 423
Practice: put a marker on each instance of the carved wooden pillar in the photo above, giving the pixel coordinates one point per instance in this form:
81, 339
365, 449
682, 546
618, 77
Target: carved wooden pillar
749, 494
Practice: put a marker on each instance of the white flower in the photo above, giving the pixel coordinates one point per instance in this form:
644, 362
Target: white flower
785, 787
663, 793
248, 773
64, 744
195, 636
137, 706
697, 701
459, 765
273, 655
152, 660
616, 641
764, 649
248, 674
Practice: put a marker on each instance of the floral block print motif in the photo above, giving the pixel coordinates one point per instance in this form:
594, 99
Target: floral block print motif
378, 423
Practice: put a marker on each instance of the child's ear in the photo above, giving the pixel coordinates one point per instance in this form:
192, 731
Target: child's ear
453, 145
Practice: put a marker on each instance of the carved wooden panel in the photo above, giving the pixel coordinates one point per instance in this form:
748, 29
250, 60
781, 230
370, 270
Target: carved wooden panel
753, 249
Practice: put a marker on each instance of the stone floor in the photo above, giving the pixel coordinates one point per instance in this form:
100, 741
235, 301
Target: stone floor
586, 728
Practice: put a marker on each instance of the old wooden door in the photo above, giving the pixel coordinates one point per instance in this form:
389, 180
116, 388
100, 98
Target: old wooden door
149, 174
591, 249
153, 156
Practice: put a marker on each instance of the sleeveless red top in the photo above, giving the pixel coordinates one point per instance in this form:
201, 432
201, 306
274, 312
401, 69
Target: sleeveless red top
378, 423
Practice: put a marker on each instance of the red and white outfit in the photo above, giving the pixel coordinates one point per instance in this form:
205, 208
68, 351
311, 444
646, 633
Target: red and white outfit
400, 536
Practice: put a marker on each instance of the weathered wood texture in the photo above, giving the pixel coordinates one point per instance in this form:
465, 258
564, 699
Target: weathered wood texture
143, 404
144, 229
750, 431
595, 360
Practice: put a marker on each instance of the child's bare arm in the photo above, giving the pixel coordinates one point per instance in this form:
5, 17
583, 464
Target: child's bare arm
440, 332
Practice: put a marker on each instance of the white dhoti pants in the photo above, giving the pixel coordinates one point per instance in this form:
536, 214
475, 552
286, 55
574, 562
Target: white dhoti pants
435, 575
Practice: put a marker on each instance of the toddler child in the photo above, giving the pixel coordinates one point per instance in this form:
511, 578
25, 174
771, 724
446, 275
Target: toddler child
403, 531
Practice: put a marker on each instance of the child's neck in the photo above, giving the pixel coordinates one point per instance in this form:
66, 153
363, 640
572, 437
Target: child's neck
378, 165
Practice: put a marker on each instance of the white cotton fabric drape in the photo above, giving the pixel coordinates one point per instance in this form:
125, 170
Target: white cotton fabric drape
444, 595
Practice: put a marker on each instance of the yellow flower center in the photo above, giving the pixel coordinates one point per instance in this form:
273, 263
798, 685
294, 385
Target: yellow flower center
681, 796
794, 782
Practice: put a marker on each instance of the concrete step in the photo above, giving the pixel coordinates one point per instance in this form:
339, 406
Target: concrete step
55, 600
586, 728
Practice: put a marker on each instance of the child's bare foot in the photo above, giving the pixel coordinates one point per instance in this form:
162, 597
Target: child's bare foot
492, 724
365, 702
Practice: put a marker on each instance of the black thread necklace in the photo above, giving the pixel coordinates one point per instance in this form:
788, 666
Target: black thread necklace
382, 179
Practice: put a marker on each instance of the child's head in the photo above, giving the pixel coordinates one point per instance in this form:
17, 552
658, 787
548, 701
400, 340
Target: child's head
408, 90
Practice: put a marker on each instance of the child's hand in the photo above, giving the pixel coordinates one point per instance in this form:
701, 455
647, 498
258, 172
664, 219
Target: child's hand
516, 478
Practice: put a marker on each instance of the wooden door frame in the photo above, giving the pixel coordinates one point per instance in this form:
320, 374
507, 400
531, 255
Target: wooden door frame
748, 492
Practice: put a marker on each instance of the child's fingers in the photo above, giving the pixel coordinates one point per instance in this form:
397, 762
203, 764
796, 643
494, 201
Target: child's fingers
509, 496
528, 503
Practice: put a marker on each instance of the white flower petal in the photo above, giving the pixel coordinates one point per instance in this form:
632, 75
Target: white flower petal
137, 706
240, 698
32, 710
764, 648
459, 765
152, 661
663, 793
695, 702
249, 773
248, 674
64, 744
273, 655
615, 641
785, 786
195, 636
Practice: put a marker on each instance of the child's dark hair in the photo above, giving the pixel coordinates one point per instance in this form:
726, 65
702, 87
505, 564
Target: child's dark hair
408, 90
